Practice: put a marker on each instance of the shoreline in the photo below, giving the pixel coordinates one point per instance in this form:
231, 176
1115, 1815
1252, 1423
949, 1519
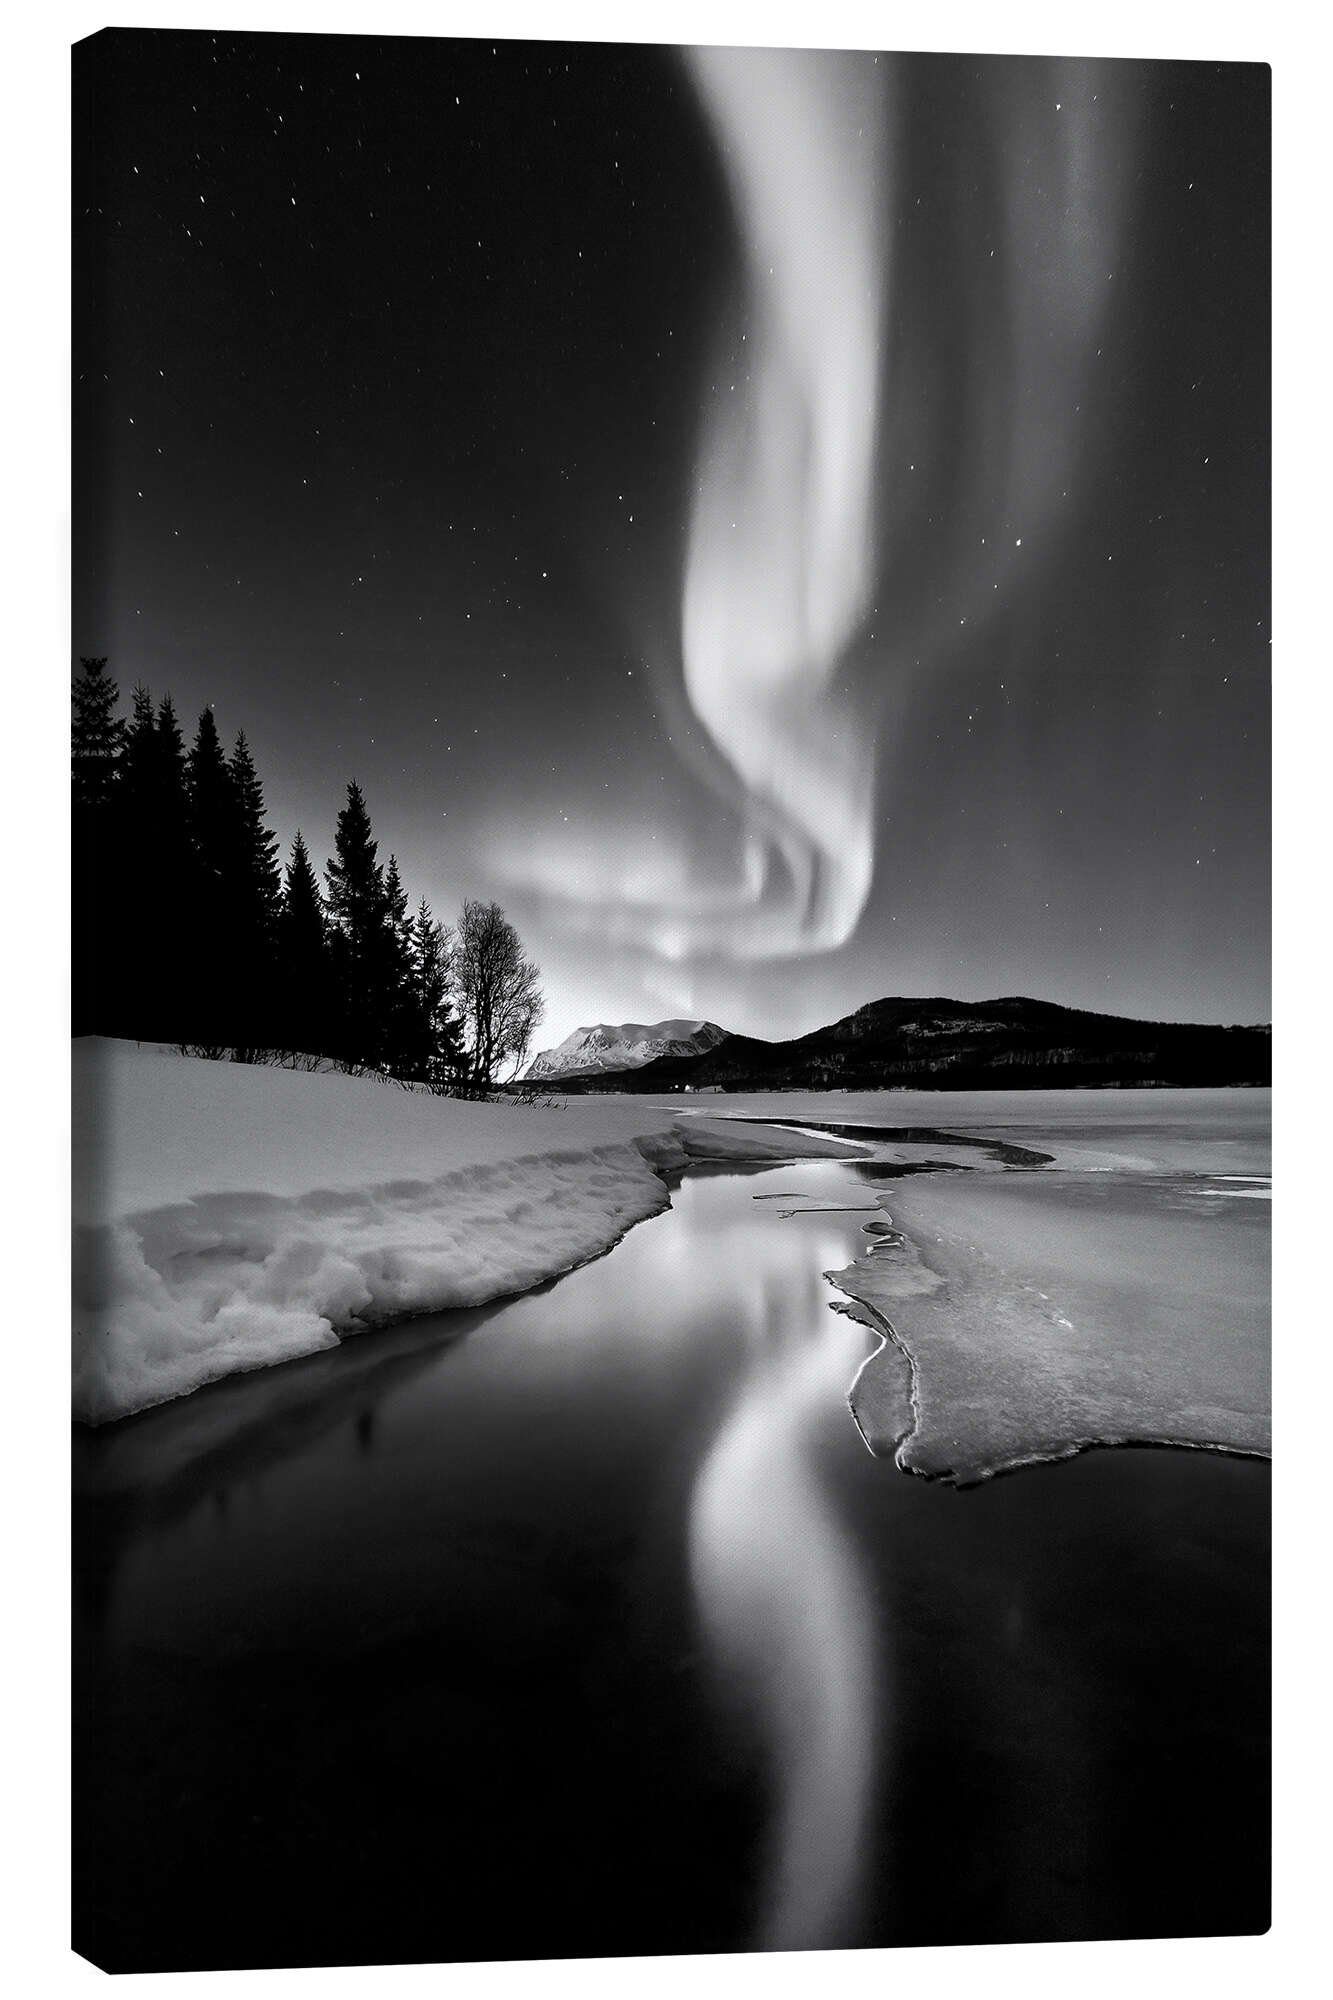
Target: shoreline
219, 1228
176, 1294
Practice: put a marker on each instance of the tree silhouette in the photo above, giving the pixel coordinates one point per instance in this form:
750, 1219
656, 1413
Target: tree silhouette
174, 879
498, 993
402, 1049
363, 943
97, 736
138, 754
256, 889
96, 740
154, 862
257, 846
185, 931
437, 1052
211, 800
131, 981
305, 979
211, 938
395, 903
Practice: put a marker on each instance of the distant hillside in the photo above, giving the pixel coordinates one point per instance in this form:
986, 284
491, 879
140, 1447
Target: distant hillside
590, 1051
1007, 1044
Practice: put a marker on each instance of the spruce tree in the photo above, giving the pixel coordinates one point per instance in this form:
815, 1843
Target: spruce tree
211, 802
97, 735
255, 889
355, 879
171, 753
175, 888
302, 921
395, 902
362, 939
155, 875
438, 1051
260, 875
168, 802
304, 969
138, 755
211, 936
401, 1045
132, 848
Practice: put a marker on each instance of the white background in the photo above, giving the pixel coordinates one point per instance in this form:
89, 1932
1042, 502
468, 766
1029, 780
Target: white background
34, 1149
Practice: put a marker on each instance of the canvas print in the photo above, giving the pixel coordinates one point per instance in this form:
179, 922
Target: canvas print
671, 990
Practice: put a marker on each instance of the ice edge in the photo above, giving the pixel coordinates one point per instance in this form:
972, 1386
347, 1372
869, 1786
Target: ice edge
855, 1307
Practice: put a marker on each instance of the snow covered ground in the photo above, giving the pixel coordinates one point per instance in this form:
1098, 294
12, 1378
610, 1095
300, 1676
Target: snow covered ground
227, 1217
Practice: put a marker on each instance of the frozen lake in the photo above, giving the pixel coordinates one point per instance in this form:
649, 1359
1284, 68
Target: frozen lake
586, 1624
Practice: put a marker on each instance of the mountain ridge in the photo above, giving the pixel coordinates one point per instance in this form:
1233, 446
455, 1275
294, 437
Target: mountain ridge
604, 1047
1011, 1042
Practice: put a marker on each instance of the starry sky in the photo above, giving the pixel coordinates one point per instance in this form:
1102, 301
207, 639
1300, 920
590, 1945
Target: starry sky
793, 532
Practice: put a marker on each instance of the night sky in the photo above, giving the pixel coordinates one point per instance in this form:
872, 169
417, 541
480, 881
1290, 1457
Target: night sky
792, 533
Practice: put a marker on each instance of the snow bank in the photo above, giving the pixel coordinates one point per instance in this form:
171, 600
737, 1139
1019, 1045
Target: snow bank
228, 1217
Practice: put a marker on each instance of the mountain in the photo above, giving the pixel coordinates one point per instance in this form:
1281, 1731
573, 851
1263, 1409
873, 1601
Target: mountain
591, 1051
1007, 1044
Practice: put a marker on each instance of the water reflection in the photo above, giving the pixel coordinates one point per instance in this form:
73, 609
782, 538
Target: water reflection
148, 1474
600, 1633
786, 1611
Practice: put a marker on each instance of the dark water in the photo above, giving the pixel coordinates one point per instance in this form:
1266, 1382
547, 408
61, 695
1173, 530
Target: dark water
586, 1625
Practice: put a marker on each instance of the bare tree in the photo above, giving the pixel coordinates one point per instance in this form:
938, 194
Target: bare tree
498, 994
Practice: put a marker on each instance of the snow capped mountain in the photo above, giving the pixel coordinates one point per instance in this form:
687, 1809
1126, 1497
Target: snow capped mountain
628, 1046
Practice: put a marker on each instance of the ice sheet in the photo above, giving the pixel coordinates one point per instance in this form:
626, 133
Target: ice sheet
1032, 1314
